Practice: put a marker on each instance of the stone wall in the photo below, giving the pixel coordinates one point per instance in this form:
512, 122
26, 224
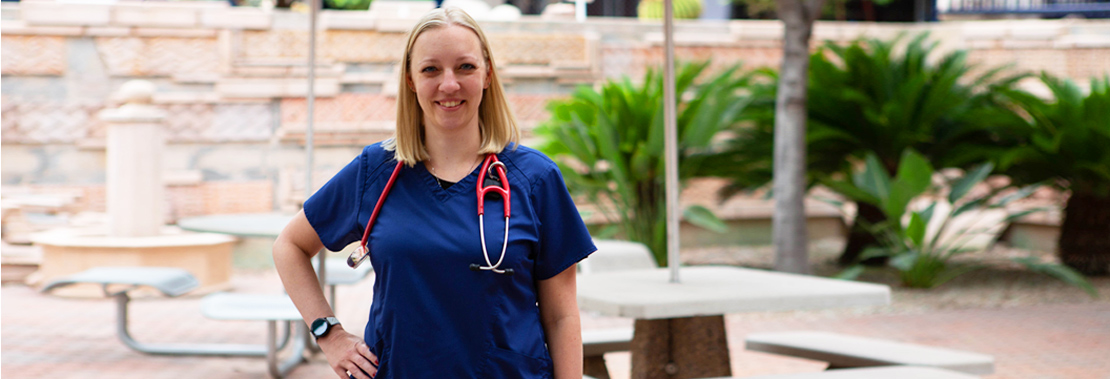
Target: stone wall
233, 81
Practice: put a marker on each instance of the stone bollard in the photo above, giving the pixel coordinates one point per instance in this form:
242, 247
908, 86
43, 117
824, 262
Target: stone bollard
135, 191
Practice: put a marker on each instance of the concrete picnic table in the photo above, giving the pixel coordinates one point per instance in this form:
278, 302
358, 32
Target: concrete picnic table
270, 225
258, 225
679, 328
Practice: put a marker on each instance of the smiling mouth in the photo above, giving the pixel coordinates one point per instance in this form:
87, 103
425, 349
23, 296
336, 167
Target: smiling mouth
450, 104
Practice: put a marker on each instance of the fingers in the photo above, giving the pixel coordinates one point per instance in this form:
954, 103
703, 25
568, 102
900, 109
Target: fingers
364, 360
365, 351
349, 356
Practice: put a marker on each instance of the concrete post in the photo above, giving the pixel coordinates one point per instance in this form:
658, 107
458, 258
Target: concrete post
135, 191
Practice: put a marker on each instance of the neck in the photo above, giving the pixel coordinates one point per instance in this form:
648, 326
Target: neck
452, 154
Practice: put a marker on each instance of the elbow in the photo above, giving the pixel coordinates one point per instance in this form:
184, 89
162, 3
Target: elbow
286, 250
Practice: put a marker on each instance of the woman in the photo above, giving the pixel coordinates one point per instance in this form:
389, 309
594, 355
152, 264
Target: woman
440, 308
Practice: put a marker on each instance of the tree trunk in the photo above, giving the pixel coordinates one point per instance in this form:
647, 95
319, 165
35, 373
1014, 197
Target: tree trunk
680, 348
789, 220
868, 10
1085, 234
859, 238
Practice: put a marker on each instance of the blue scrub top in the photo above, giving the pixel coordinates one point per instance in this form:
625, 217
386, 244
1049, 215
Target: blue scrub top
432, 317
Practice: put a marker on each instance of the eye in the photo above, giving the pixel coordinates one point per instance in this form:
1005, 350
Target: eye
428, 69
468, 66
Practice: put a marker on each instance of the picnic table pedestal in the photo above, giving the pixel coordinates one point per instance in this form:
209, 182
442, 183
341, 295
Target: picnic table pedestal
679, 328
688, 347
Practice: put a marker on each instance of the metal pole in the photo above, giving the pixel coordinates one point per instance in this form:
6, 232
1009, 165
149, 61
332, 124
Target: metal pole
670, 138
313, 6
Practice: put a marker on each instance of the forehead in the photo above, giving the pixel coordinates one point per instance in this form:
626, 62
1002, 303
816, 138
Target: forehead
449, 42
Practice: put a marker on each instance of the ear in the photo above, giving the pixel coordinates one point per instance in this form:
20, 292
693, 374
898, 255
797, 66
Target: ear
408, 80
489, 75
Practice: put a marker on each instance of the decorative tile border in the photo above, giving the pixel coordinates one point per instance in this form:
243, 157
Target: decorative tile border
48, 122
158, 56
36, 122
32, 55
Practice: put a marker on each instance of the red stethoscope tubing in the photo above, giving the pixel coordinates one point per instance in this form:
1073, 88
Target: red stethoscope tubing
378, 206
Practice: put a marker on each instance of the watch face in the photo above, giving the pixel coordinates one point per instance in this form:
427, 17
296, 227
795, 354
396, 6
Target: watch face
319, 327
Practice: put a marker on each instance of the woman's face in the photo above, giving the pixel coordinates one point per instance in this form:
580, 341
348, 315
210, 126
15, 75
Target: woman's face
448, 74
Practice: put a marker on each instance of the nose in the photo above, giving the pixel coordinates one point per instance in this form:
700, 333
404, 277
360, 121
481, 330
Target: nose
450, 83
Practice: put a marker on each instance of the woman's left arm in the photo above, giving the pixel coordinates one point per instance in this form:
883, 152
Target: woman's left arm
558, 301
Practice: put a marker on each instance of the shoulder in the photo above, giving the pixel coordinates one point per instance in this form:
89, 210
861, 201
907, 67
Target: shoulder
374, 157
375, 153
528, 160
531, 164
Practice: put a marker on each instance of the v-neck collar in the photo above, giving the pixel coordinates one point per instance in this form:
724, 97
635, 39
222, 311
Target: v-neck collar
445, 194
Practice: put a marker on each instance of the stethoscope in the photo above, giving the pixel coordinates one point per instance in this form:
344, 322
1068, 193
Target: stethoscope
487, 183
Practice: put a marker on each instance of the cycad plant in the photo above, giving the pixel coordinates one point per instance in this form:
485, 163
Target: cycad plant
1066, 141
609, 144
873, 97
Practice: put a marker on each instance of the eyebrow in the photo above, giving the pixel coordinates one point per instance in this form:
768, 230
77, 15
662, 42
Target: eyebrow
461, 59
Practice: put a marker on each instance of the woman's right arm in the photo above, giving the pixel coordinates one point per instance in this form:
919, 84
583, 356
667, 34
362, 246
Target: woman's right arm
293, 252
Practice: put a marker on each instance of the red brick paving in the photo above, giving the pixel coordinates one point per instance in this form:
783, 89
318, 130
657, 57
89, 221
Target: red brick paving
45, 335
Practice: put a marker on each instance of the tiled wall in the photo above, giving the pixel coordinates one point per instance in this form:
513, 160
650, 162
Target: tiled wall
235, 77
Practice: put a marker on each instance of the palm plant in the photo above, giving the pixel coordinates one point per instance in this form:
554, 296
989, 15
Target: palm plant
1065, 142
609, 144
871, 97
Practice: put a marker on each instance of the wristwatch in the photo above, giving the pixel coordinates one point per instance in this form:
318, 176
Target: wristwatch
321, 326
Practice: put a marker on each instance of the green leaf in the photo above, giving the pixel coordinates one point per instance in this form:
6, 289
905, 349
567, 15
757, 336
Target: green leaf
973, 177
850, 191
850, 273
828, 200
894, 205
951, 272
1058, 271
608, 232
704, 218
915, 171
927, 214
904, 261
977, 203
916, 230
874, 180
1018, 215
1020, 194
875, 252
914, 178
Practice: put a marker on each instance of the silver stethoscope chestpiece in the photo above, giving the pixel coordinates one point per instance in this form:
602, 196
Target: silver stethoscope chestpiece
357, 257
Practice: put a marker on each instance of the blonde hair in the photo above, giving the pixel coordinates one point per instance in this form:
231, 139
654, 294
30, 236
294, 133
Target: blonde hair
496, 123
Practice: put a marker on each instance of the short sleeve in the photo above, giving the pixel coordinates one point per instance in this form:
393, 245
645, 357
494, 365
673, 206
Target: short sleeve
564, 239
333, 210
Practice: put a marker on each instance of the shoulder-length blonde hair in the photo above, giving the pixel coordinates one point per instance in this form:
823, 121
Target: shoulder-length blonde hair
496, 123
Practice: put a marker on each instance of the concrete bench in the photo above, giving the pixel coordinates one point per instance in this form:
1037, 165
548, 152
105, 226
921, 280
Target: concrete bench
338, 273
117, 282
890, 372
844, 351
596, 343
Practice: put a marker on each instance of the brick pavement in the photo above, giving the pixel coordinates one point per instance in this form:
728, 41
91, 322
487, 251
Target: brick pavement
52, 336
